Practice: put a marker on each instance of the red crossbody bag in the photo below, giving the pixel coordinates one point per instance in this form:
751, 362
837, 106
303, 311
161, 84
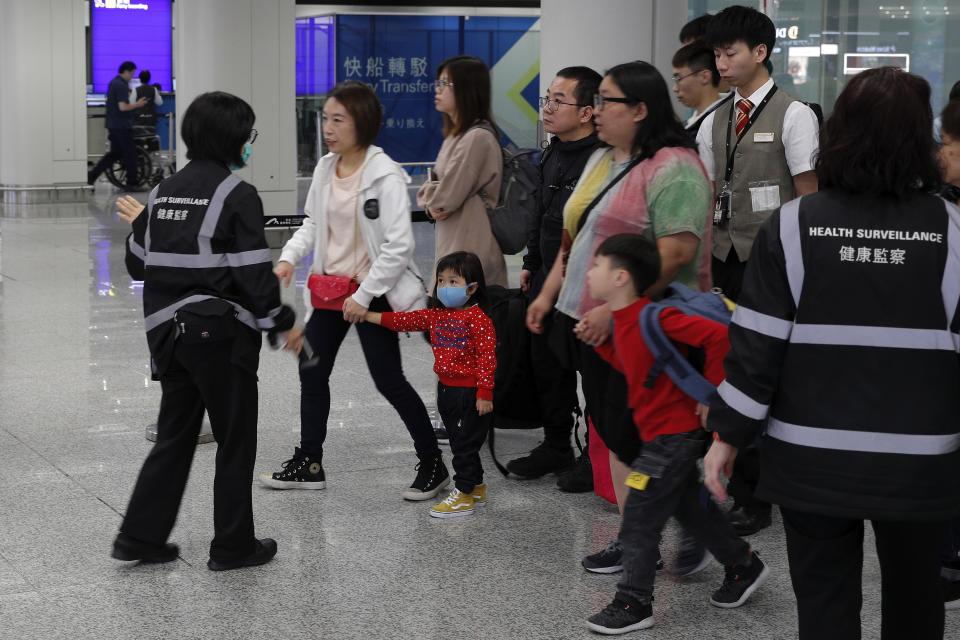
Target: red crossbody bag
331, 292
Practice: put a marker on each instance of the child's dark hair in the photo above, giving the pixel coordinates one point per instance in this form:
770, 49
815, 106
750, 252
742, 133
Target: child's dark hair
637, 255
468, 266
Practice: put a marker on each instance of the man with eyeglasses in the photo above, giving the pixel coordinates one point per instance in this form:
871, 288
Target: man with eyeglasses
568, 115
696, 82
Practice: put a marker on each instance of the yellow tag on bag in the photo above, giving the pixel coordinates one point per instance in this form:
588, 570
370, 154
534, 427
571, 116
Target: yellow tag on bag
637, 481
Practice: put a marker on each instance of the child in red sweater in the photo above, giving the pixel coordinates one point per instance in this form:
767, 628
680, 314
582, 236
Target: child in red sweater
464, 345
666, 480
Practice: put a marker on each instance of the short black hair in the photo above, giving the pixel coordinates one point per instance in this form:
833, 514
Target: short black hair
144, 77
127, 66
361, 102
879, 139
955, 91
588, 83
697, 56
636, 255
216, 126
739, 23
696, 29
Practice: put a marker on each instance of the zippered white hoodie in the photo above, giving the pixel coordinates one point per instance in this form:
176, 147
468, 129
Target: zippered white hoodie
388, 238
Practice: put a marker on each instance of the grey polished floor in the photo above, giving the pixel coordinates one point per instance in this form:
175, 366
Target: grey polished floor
355, 560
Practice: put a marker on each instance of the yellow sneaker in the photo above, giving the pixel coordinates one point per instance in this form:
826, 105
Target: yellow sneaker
479, 494
455, 504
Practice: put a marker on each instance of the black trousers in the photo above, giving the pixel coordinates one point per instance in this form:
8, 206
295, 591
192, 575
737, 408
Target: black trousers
826, 565
674, 489
381, 348
203, 377
728, 274
121, 146
467, 430
556, 387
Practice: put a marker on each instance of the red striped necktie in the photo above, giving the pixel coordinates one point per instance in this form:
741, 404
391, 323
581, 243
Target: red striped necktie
743, 115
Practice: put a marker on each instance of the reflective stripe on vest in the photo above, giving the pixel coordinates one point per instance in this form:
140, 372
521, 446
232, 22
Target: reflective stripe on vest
863, 441
863, 336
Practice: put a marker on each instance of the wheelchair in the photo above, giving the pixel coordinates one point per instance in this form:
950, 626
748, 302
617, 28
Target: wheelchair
152, 165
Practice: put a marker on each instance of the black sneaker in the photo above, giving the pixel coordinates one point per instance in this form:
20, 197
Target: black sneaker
608, 560
951, 594
432, 476
299, 472
692, 556
739, 582
266, 549
579, 479
623, 615
129, 549
542, 460
747, 521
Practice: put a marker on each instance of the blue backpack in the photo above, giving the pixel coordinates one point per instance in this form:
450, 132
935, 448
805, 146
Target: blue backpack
685, 371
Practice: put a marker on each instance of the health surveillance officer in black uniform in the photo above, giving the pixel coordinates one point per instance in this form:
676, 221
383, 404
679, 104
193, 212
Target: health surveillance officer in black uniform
208, 292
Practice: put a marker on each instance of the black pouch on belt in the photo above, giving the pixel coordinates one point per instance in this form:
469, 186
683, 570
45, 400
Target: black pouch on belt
206, 321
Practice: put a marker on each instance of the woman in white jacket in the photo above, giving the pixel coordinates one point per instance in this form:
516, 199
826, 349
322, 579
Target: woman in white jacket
358, 227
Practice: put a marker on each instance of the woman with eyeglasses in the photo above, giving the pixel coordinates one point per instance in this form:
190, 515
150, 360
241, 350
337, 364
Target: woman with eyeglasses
208, 292
466, 178
357, 227
647, 180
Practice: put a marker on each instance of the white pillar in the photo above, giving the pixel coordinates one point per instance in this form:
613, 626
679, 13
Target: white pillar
245, 47
43, 132
604, 33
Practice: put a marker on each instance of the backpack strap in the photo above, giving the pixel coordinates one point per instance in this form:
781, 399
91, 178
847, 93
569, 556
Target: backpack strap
669, 360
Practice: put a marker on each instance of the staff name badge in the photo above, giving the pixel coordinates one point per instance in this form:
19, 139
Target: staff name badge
763, 137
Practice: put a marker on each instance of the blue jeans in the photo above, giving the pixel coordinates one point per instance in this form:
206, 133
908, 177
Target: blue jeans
381, 348
674, 489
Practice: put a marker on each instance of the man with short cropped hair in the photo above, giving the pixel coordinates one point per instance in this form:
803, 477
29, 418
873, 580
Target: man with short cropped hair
696, 81
568, 115
119, 124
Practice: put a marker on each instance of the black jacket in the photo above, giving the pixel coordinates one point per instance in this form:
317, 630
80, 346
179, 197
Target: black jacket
844, 353
560, 167
201, 243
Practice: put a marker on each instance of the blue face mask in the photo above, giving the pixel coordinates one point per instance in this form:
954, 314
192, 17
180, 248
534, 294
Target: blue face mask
453, 297
244, 156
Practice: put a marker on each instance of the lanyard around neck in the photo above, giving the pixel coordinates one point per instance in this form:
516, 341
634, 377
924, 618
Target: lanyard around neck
756, 114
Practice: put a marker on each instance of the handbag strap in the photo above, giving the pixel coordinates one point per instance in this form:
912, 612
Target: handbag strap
634, 161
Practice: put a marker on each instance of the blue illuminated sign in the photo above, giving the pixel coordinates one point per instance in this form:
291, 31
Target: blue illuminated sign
398, 57
135, 30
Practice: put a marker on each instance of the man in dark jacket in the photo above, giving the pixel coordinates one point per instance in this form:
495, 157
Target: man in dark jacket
119, 124
568, 115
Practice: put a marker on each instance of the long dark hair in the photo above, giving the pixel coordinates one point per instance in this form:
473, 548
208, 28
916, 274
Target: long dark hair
641, 82
879, 138
471, 92
468, 266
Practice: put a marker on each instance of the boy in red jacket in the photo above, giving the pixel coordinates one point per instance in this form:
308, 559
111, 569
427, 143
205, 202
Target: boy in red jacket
666, 480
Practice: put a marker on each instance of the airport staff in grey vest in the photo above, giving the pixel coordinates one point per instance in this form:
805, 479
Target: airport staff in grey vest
843, 354
759, 150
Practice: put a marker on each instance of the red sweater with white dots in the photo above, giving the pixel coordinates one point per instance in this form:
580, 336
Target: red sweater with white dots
464, 344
